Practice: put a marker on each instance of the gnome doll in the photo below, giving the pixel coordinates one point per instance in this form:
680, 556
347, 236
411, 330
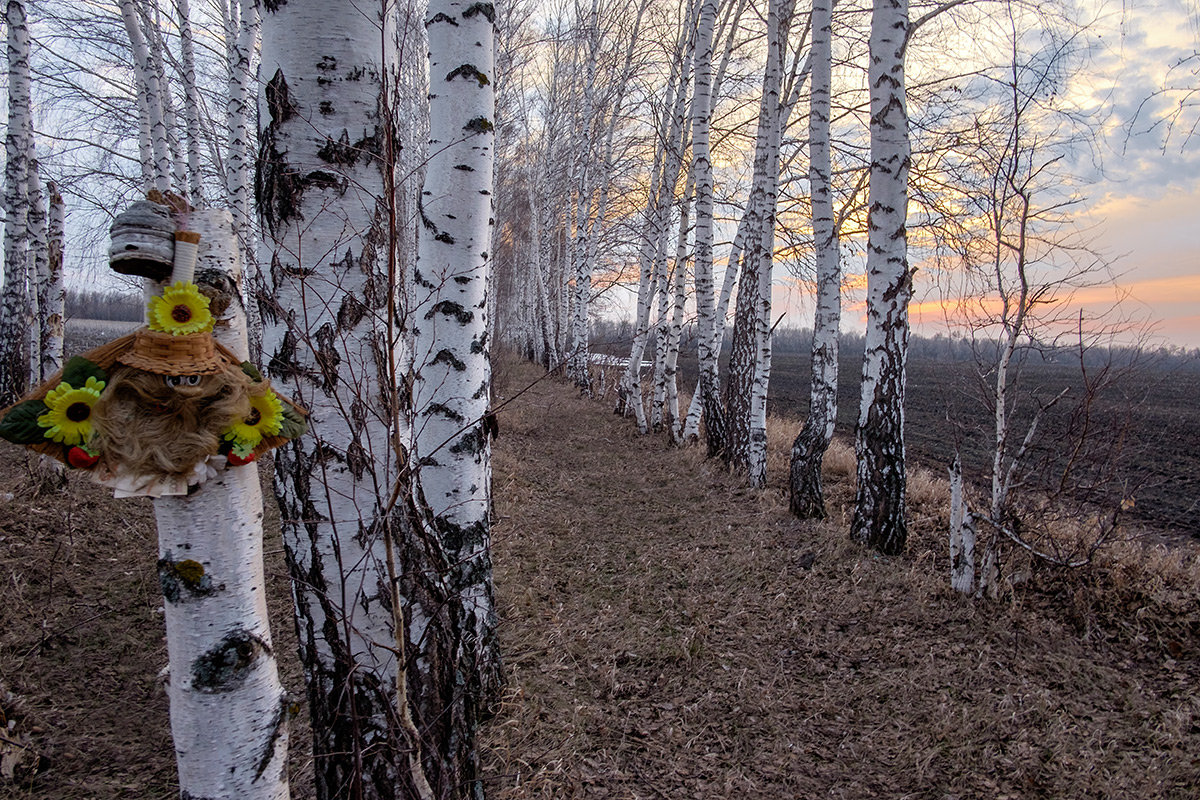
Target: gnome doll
161, 410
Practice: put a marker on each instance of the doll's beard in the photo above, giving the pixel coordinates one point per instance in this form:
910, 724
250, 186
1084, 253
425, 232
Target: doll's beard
146, 427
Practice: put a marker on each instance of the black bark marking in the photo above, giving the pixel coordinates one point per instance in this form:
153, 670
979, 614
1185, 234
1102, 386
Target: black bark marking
350, 313
487, 9
440, 17
447, 357
327, 356
462, 280
277, 729
468, 71
327, 64
479, 125
344, 153
358, 460
225, 666
277, 186
464, 167
325, 107
452, 309
320, 179
444, 237
446, 411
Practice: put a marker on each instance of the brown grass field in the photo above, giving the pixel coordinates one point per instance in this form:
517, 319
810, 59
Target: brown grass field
668, 633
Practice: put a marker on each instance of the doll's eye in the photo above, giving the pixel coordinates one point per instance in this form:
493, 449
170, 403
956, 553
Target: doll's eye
192, 380
174, 380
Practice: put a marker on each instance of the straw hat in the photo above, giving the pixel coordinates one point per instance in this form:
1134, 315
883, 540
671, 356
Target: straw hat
171, 354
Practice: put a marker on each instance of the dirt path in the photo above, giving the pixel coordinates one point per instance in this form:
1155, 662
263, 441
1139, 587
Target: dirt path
672, 635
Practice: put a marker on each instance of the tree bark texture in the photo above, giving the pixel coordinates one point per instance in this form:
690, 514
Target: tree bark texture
749, 359
53, 300
452, 378
353, 536
879, 508
710, 390
807, 498
14, 343
228, 709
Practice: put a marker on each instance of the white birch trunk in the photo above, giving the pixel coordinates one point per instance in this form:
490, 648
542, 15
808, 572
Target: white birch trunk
14, 359
806, 495
671, 418
332, 341
577, 364
652, 252
53, 305
705, 311
962, 534
191, 98
240, 155
228, 709
879, 509
749, 363
150, 95
452, 369
38, 266
152, 31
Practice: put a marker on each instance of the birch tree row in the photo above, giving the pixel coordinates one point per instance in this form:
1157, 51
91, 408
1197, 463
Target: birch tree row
724, 204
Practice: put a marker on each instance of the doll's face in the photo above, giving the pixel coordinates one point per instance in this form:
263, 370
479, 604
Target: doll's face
187, 385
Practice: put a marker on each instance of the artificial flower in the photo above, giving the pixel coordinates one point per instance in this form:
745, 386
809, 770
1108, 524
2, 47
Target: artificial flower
69, 418
180, 310
266, 419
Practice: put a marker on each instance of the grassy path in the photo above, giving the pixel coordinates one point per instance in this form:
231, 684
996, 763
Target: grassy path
670, 634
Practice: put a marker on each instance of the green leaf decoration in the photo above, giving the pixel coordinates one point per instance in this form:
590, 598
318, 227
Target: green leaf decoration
252, 371
20, 423
79, 369
294, 424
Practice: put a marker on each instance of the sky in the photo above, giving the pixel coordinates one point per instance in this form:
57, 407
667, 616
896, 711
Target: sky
1143, 196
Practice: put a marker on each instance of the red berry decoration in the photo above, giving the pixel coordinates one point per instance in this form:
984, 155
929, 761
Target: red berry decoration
81, 459
237, 461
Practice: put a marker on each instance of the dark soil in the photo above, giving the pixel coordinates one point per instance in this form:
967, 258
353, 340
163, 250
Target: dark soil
1144, 429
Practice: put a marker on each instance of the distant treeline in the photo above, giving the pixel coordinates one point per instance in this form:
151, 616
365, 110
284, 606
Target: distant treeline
109, 305
939, 347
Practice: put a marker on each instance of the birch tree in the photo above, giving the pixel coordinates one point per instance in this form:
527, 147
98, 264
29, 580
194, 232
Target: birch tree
1018, 257
377, 630
750, 355
452, 371
18, 145
714, 418
150, 94
806, 497
222, 670
879, 505
52, 292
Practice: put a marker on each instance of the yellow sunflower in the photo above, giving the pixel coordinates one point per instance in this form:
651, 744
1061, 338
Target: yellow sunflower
180, 310
69, 418
266, 419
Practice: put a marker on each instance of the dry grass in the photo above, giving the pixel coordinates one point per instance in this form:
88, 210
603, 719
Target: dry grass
668, 634
672, 634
